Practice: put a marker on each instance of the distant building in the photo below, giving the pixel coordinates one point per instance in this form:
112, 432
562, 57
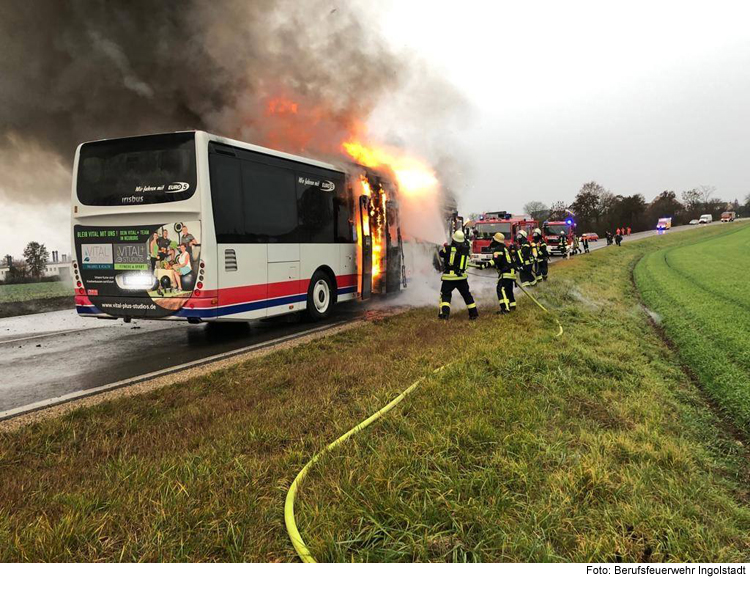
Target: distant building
58, 265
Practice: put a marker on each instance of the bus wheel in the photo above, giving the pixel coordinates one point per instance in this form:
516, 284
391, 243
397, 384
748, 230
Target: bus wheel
319, 296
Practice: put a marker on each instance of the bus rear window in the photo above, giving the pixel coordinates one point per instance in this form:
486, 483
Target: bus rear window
137, 171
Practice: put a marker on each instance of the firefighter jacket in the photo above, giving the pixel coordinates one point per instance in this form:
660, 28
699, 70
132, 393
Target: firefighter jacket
542, 251
502, 260
524, 253
455, 259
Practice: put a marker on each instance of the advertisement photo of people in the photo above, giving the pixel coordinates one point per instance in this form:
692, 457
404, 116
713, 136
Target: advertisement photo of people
174, 253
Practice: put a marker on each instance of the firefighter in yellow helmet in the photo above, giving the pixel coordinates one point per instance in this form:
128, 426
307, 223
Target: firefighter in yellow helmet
542, 255
455, 258
526, 273
503, 260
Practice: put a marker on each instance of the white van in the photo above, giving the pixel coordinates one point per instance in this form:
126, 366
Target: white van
706, 218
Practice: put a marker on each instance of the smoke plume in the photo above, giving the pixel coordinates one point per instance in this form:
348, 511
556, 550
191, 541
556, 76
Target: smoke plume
296, 76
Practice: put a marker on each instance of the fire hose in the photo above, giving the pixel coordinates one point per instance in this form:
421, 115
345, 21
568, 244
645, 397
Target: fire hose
533, 299
291, 525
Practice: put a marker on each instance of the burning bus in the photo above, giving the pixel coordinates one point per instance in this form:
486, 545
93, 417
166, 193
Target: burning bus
493, 222
198, 227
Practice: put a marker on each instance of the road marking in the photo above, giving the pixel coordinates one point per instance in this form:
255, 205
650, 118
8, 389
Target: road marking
20, 410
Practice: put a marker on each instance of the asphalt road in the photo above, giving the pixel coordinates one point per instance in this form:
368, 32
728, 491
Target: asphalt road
57, 354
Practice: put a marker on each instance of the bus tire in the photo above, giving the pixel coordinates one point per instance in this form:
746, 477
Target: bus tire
320, 296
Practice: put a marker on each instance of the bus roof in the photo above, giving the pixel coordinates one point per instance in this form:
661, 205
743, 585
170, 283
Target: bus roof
239, 144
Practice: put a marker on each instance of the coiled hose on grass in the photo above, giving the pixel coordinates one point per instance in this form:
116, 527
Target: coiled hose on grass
291, 525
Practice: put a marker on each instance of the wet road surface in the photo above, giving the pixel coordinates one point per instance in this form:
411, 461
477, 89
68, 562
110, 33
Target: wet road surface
49, 355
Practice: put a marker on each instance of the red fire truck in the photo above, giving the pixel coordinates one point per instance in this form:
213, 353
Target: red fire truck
492, 222
553, 233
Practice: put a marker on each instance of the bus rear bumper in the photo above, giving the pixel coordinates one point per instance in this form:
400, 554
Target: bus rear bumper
194, 309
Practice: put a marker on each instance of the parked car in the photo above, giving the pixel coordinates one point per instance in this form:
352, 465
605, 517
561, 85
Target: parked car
592, 236
693, 222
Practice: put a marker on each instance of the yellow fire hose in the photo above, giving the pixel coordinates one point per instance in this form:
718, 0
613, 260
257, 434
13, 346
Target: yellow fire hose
291, 525
533, 299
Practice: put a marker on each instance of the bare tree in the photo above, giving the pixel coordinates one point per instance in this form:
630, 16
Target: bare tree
558, 211
536, 209
705, 192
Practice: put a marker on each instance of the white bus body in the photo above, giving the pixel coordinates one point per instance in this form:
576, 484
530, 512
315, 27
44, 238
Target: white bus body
194, 226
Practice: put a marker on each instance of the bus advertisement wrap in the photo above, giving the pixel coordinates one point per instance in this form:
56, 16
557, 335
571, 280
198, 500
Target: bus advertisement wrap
139, 270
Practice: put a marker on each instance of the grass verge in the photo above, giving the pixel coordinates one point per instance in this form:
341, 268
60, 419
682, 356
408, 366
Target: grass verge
33, 298
698, 292
594, 446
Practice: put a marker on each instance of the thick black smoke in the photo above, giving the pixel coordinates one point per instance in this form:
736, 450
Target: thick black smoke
86, 69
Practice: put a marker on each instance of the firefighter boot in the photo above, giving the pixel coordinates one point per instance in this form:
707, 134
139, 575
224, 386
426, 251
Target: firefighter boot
473, 313
445, 311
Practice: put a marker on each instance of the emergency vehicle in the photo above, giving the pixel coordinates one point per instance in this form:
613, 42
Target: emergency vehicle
664, 224
492, 222
552, 232
728, 216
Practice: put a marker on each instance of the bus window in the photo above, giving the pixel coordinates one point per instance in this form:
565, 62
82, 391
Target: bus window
137, 171
315, 209
270, 203
344, 217
226, 197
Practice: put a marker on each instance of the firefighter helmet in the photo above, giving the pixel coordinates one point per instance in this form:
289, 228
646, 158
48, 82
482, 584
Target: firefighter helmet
537, 232
522, 233
458, 236
499, 237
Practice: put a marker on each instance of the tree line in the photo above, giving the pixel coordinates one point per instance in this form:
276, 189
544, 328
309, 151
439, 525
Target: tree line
599, 210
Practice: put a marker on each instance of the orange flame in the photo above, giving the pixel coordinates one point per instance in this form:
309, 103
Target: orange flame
374, 225
281, 106
412, 175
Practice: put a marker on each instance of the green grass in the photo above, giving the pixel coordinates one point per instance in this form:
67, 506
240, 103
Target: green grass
590, 447
23, 292
700, 292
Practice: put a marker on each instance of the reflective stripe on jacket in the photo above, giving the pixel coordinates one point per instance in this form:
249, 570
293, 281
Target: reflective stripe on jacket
455, 258
502, 260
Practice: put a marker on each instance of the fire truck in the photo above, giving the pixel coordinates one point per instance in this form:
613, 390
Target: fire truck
664, 224
492, 222
552, 232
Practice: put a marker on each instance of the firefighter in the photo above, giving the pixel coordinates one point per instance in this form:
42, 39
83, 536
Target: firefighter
585, 242
503, 259
542, 255
534, 258
564, 245
618, 239
455, 259
526, 274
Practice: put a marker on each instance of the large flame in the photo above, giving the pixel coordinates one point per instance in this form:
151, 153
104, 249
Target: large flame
413, 176
374, 225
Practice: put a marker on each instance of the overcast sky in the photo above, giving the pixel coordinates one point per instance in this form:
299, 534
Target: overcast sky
638, 96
